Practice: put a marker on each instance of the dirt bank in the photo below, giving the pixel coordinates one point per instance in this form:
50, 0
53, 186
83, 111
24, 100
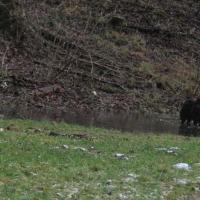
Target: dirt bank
100, 55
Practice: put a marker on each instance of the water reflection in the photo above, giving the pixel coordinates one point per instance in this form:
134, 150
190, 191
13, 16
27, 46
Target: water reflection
120, 121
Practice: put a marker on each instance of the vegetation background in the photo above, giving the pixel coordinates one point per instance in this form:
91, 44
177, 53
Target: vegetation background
133, 55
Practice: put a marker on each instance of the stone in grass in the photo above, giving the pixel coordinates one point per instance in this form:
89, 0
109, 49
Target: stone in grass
37, 130
131, 177
173, 150
183, 181
60, 195
1, 129
80, 148
33, 174
109, 182
121, 156
183, 166
72, 193
110, 188
125, 195
65, 146
170, 150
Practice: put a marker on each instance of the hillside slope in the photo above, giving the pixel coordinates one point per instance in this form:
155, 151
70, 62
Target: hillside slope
133, 55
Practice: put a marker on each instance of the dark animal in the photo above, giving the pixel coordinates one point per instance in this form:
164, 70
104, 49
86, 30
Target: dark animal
190, 111
186, 112
196, 112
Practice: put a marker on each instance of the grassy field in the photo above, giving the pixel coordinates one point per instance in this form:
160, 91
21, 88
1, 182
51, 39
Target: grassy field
92, 163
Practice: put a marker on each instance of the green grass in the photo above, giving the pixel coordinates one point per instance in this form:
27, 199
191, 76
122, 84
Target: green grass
35, 165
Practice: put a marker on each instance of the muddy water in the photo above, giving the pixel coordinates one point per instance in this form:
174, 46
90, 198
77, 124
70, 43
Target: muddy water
121, 121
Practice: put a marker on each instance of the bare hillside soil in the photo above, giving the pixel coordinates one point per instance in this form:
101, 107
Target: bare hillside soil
100, 55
